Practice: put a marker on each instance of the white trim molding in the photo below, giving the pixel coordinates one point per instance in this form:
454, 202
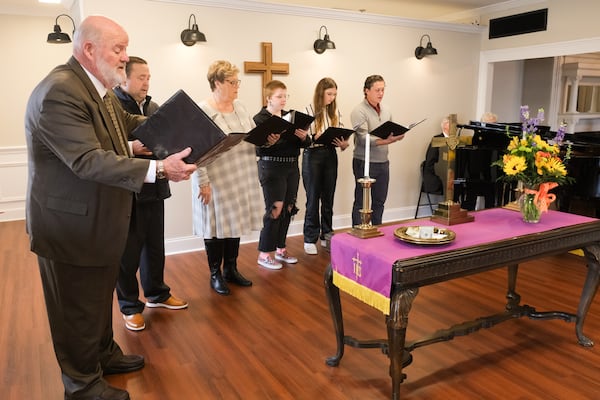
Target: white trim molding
489, 57
13, 182
328, 13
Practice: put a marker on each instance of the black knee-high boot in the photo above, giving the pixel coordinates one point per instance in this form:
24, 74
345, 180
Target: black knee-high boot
230, 271
214, 253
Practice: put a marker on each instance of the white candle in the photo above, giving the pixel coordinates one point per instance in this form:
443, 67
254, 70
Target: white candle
367, 153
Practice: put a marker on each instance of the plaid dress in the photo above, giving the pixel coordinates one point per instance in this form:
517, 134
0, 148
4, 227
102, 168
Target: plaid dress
236, 207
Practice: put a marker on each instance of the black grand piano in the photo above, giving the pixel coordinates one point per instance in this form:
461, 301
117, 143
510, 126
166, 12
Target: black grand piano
583, 197
475, 177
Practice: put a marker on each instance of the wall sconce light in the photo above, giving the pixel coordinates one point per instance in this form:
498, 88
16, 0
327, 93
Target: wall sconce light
191, 35
323, 44
58, 36
421, 51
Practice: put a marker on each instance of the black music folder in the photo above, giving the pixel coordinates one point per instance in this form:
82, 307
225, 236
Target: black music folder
333, 132
179, 123
299, 119
258, 135
384, 130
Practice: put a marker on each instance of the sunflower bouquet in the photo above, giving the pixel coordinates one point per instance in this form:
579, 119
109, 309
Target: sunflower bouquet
534, 161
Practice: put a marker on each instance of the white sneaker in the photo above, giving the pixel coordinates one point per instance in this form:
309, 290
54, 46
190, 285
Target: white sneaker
323, 243
310, 248
286, 258
269, 263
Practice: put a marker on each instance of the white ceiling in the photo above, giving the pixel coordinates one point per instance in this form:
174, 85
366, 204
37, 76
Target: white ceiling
417, 9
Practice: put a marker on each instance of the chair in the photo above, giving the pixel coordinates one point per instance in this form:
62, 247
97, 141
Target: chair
427, 190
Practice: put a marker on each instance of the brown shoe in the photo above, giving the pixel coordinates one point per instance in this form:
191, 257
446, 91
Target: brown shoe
172, 303
134, 322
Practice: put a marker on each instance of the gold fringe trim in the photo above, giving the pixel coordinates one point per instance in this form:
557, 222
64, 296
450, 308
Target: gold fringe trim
364, 294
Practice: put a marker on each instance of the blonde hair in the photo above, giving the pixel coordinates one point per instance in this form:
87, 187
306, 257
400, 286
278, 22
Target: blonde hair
272, 86
330, 109
219, 71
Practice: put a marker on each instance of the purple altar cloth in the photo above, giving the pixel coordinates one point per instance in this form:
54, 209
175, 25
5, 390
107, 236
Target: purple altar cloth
363, 267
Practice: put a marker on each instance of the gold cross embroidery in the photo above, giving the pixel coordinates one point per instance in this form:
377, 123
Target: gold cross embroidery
357, 264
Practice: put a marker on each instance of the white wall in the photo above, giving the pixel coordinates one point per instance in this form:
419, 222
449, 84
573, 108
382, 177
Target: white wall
432, 87
507, 90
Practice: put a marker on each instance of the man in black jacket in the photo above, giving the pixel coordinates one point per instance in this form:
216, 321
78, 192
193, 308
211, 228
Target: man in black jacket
145, 243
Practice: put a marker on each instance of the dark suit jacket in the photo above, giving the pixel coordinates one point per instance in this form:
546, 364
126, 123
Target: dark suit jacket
81, 184
159, 190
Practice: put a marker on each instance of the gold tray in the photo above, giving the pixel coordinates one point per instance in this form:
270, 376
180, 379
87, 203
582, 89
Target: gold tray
401, 234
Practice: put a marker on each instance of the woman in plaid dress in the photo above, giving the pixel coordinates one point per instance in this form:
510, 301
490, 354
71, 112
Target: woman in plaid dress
227, 201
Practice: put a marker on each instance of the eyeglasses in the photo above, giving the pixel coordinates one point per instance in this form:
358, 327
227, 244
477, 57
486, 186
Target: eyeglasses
234, 83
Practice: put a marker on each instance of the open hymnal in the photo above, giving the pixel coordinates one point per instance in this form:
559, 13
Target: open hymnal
299, 119
284, 126
180, 123
332, 133
391, 128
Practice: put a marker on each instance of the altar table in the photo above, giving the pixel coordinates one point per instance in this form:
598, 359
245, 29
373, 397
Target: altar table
386, 273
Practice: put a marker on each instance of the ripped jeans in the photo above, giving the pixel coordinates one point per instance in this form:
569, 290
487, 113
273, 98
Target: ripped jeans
279, 181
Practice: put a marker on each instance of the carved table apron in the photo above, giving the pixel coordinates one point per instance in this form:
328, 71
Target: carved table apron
497, 238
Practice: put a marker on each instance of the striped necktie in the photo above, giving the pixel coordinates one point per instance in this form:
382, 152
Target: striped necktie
113, 117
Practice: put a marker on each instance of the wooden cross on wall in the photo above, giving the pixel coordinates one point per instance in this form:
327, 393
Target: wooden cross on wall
266, 67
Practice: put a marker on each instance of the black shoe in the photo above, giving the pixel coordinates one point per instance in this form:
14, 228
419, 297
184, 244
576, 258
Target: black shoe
219, 285
234, 276
110, 393
127, 363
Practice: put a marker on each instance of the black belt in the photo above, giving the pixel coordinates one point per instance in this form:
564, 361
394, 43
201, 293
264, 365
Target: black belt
318, 146
279, 159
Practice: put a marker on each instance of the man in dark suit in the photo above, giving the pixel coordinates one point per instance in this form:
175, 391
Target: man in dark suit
145, 249
79, 203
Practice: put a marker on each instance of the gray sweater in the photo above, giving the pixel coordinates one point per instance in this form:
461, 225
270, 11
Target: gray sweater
365, 119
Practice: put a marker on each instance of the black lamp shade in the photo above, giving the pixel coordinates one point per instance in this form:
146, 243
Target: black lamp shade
192, 35
321, 45
58, 36
421, 51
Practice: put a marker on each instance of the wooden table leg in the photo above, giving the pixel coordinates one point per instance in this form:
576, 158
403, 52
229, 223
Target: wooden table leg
590, 287
400, 305
335, 307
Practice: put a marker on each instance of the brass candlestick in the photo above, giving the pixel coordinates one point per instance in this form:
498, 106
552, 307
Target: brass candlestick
365, 229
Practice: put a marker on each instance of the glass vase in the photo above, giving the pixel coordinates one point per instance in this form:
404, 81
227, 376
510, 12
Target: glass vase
530, 210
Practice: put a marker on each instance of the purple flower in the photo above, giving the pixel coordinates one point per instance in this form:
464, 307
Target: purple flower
560, 133
529, 125
540, 116
524, 113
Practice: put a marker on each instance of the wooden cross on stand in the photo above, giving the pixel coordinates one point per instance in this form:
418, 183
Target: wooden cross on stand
449, 212
266, 67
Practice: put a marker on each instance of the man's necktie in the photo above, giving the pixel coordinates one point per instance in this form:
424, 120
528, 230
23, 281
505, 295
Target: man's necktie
113, 117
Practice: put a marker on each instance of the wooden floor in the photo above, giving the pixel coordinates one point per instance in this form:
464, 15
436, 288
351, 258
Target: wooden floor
270, 341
